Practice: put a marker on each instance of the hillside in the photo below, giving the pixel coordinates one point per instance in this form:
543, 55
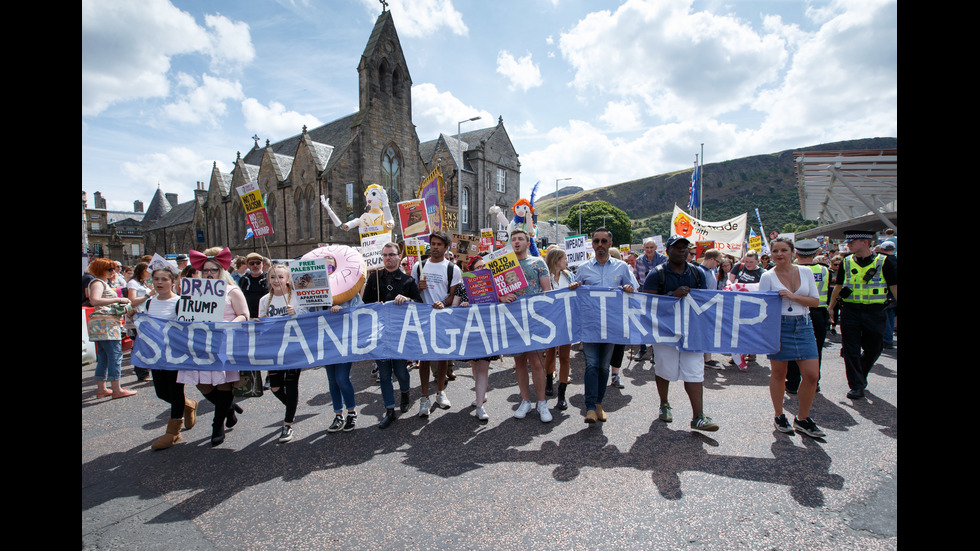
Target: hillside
730, 188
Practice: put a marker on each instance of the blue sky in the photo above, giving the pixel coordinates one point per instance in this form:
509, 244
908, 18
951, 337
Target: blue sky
598, 91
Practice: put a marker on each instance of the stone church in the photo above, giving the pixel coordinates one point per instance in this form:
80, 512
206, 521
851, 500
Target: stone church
376, 145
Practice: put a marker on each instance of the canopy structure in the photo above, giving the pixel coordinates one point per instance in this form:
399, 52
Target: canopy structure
838, 187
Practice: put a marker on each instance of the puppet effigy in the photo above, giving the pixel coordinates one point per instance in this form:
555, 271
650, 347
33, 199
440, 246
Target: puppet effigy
523, 209
378, 214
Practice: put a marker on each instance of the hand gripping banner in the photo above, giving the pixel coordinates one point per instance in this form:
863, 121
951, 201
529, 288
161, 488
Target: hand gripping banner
704, 321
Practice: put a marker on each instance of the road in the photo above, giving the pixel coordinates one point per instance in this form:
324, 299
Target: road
452, 482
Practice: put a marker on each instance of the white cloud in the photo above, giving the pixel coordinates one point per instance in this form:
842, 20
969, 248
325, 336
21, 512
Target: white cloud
127, 48
175, 171
622, 116
204, 103
274, 121
522, 73
417, 18
843, 82
680, 64
434, 112
593, 159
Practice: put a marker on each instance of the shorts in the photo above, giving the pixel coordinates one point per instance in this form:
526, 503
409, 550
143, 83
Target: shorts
796, 340
676, 365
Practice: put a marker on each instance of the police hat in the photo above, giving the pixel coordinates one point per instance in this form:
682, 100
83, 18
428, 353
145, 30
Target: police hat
807, 247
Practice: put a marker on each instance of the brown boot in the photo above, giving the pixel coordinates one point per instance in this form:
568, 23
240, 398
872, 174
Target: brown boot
190, 413
171, 437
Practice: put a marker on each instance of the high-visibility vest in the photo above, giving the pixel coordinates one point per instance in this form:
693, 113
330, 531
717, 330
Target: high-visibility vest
821, 275
873, 291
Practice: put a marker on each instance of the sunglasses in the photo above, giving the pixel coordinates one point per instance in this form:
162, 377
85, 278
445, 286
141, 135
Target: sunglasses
598, 240
255, 263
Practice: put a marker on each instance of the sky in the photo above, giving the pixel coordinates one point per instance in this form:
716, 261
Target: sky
598, 91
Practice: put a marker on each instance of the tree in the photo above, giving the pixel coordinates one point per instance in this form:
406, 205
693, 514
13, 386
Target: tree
596, 214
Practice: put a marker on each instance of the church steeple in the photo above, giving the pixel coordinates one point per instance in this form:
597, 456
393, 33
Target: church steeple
382, 71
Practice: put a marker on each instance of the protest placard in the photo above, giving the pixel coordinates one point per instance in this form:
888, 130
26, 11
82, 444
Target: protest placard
413, 218
728, 235
255, 211
576, 250
479, 286
508, 276
201, 299
311, 282
486, 240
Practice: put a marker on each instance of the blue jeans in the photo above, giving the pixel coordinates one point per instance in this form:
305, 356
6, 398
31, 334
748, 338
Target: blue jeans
108, 360
400, 370
889, 326
341, 389
597, 356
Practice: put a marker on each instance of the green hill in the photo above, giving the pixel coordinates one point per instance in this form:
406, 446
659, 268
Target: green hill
730, 188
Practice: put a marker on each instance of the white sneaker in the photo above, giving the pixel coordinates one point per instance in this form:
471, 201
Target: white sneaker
522, 409
424, 407
481, 413
543, 412
442, 401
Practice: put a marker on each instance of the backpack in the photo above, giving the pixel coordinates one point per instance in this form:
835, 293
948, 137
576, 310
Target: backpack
662, 278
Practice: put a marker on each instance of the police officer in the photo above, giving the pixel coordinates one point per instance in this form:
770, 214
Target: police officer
806, 249
863, 282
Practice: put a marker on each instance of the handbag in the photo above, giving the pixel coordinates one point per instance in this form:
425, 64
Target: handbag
249, 384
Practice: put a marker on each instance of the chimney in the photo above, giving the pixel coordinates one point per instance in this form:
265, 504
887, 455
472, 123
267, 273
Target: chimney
137, 206
171, 198
99, 201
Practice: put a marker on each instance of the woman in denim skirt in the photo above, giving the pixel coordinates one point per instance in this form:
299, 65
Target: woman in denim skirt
796, 338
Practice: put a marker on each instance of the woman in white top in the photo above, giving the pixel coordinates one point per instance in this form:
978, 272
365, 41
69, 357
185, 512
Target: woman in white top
284, 383
560, 279
216, 385
138, 290
163, 306
798, 290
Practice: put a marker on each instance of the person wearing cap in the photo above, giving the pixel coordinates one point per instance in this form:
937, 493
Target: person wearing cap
601, 271
710, 262
888, 248
254, 283
182, 261
806, 251
676, 278
863, 283
646, 262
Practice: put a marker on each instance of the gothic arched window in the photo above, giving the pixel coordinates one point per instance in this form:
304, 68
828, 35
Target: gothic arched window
390, 174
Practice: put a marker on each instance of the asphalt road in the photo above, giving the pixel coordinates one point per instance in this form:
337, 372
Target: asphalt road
452, 482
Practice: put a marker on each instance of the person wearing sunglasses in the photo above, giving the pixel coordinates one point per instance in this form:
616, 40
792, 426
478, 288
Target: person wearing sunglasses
863, 283
254, 283
600, 271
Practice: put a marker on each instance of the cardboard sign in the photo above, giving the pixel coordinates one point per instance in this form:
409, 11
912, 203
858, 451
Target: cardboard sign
465, 245
201, 299
479, 286
371, 249
702, 246
576, 250
255, 211
311, 282
370, 231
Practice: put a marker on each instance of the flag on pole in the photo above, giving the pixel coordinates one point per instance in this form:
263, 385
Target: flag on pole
693, 202
248, 230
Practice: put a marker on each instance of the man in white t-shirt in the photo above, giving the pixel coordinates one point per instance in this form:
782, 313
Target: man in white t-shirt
437, 283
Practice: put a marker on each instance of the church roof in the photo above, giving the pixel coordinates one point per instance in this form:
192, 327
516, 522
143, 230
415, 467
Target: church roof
181, 214
159, 206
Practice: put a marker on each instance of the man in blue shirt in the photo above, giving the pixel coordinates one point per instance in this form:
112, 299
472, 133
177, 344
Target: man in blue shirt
676, 278
600, 271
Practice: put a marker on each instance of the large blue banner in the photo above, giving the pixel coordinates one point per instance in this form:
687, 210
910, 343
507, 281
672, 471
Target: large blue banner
704, 321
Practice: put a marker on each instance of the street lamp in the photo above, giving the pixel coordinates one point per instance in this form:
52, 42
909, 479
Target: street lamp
556, 206
459, 176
